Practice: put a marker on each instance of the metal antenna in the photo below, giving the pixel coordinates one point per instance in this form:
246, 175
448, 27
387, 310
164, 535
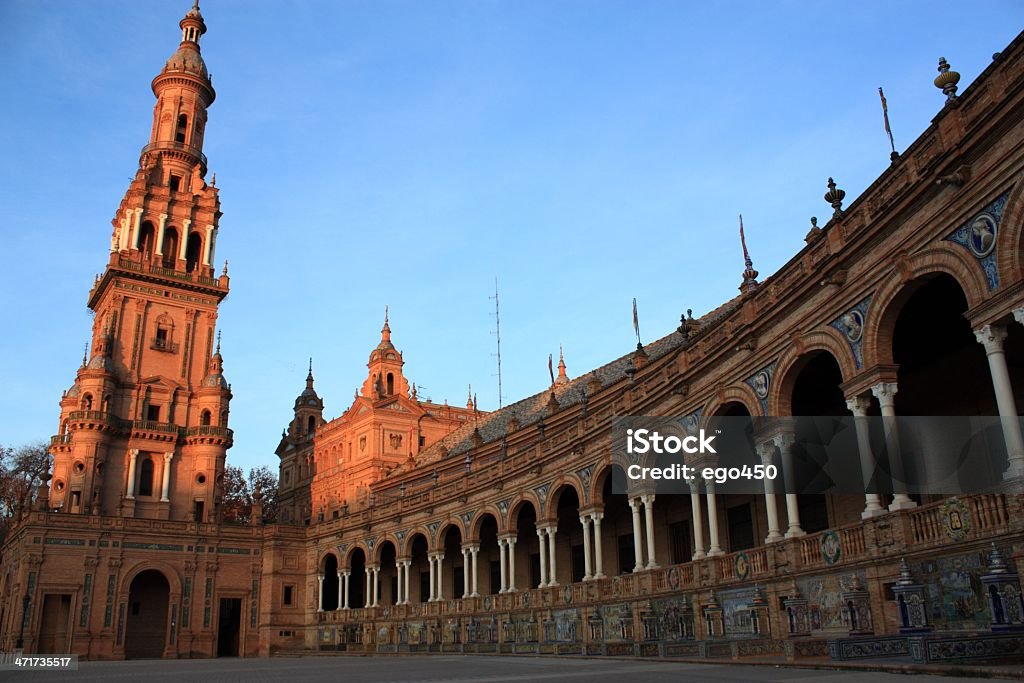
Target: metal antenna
497, 334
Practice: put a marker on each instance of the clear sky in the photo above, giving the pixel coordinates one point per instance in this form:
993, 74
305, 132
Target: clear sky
407, 153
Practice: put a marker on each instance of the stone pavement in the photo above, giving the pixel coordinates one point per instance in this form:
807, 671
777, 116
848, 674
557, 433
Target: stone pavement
447, 669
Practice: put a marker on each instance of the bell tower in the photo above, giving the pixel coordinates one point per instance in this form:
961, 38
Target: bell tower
385, 365
143, 429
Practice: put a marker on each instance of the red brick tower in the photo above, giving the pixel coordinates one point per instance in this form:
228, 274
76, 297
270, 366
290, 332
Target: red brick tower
143, 430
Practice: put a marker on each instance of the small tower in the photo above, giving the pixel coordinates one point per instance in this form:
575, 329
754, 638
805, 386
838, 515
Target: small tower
385, 378
309, 409
562, 379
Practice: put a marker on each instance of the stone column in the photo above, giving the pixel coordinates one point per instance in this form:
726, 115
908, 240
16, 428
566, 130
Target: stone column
503, 563
159, 246
376, 585
885, 392
541, 532
767, 453
347, 576
320, 593
207, 245
405, 593
511, 540
166, 489
638, 550
585, 523
698, 520
552, 552
439, 594
598, 550
992, 337
466, 569
138, 228
183, 247
858, 405
133, 454
715, 548
473, 550
785, 444
341, 589
368, 602
648, 500
433, 578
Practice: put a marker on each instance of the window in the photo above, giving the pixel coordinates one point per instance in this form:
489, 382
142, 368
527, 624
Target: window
146, 477
76, 500
741, 527
197, 511
170, 247
193, 252
311, 424
161, 338
179, 134
205, 417
679, 534
391, 384
289, 595
175, 183
153, 413
87, 402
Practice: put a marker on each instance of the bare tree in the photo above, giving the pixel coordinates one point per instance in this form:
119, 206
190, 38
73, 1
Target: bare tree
21, 474
240, 491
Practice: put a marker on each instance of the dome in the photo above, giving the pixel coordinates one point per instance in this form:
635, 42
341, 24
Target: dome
187, 58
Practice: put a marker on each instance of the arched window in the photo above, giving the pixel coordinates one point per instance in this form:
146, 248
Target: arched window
311, 424
146, 477
223, 418
205, 417
169, 249
146, 239
391, 384
105, 407
193, 252
87, 402
179, 134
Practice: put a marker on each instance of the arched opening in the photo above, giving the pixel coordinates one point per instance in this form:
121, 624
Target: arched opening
147, 240
105, 406
169, 248
617, 525
182, 129
527, 545
488, 557
329, 599
570, 564
935, 350
419, 570
87, 402
146, 627
205, 417
816, 393
387, 590
193, 251
357, 596
740, 518
145, 487
452, 570
311, 424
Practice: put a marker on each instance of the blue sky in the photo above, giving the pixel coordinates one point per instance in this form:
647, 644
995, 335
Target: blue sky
407, 153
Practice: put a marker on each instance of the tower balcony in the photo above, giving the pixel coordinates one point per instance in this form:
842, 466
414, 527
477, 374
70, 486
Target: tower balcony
174, 150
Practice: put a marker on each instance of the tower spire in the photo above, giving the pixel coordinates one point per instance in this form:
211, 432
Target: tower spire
385, 333
562, 378
749, 274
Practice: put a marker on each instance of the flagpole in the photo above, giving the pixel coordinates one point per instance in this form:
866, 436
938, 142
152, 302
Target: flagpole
893, 155
636, 325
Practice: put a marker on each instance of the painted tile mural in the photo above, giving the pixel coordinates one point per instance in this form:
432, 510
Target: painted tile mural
567, 623
670, 612
618, 622
736, 606
953, 591
825, 601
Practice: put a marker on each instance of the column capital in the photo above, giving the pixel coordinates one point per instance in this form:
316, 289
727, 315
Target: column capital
508, 536
597, 516
374, 567
991, 337
765, 450
320, 578
634, 503
647, 498
133, 452
859, 405
168, 456
694, 485
885, 392
784, 440
1018, 315
470, 547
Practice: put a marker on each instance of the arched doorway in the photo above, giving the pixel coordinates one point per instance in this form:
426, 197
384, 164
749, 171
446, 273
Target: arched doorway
329, 597
146, 627
357, 579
